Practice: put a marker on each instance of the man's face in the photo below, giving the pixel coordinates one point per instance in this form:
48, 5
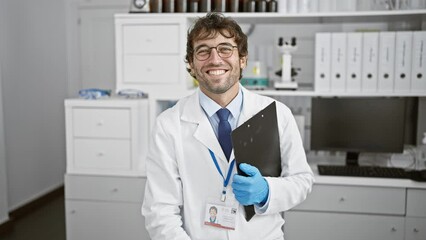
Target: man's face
217, 75
213, 212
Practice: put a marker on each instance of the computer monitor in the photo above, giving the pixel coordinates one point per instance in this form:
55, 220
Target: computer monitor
363, 124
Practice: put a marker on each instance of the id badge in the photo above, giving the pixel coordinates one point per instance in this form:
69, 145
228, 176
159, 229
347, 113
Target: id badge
221, 214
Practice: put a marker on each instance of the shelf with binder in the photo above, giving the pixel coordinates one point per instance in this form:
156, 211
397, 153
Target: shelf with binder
383, 63
268, 27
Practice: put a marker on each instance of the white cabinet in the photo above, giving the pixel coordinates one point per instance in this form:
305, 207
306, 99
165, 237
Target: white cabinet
106, 147
415, 228
416, 205
107, 136
355, 199
150, 54
415, 223
348, 211
342, 226
104, 207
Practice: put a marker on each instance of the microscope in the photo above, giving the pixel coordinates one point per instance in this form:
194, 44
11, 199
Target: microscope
287, 72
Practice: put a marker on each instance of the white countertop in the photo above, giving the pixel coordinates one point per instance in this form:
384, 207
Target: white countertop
365, 181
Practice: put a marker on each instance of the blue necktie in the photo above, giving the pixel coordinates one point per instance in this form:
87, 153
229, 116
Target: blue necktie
224, 132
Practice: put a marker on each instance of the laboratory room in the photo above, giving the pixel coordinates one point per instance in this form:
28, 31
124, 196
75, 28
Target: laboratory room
213, 119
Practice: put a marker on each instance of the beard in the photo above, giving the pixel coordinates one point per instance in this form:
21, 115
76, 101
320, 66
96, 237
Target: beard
217, 84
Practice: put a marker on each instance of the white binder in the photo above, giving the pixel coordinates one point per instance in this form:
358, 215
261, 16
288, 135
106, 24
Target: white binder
353, 62
403, 61
418, 70
370, 43
322, 62
386, 61
338, 62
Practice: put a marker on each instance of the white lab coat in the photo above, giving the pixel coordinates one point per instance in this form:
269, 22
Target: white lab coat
181, 175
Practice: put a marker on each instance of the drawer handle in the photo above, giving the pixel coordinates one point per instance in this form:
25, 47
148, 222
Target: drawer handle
100, 123
100, 154
416, 230
393, 229
148, 40
342, 199
115, 190
148, 69
73, 211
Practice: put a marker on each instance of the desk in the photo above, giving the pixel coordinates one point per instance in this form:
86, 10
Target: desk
360, 208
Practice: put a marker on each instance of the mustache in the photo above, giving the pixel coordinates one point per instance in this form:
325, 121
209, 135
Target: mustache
215, 65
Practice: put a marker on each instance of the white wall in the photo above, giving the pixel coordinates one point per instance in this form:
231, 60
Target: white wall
4, 216
33, 64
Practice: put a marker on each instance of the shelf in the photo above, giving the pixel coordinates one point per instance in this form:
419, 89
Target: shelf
331, 94
299, 16
333, 21
290, 93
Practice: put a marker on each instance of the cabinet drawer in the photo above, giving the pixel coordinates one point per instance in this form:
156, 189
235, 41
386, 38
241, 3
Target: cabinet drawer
355, 199
155, 38
104, 220
120, 189
102, 154
416, 203
415, 228
95, 122
322, 226
150, 69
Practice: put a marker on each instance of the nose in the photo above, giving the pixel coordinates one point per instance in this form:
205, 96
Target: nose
214, 56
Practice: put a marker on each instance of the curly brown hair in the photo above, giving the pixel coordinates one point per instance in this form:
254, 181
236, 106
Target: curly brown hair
208, 27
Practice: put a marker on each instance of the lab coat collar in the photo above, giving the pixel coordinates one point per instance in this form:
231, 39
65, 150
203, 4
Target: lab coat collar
193, 113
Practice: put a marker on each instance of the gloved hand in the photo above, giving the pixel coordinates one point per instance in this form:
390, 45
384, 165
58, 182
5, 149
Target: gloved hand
252, 189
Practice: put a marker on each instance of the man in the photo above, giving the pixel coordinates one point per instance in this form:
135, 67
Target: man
213, 214
190, 164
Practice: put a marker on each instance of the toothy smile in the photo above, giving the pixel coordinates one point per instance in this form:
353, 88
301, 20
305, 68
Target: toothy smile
216, 72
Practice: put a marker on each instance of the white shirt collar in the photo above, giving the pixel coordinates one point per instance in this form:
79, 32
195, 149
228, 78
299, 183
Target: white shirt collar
211, 107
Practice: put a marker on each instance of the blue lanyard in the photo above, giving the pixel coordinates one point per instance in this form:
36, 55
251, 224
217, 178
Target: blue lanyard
228, 175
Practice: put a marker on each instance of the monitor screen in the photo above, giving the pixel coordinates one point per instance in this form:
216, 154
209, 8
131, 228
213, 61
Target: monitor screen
364, 124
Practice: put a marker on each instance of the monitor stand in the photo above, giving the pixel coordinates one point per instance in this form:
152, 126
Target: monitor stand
352, 158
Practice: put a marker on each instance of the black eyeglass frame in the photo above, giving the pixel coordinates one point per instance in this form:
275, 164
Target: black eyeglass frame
218, 52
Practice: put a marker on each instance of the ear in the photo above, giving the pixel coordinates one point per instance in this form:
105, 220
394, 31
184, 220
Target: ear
190, 69
243, 62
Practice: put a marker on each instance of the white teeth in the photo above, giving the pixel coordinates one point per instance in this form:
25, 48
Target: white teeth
216, 72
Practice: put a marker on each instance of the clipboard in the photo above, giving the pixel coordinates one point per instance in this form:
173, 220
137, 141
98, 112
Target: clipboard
257, 143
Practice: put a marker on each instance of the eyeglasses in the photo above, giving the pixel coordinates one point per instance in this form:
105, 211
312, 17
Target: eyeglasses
224, 50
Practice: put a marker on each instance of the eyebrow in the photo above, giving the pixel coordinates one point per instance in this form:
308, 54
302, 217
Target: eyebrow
200, 46
205, 45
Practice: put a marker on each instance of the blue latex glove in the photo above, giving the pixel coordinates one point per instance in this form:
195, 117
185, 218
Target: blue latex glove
252, 189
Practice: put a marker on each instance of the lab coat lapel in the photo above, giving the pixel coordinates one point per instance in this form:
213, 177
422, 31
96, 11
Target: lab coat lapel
192, 112
250, 107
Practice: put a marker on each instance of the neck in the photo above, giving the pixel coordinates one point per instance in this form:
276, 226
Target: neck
223, 99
